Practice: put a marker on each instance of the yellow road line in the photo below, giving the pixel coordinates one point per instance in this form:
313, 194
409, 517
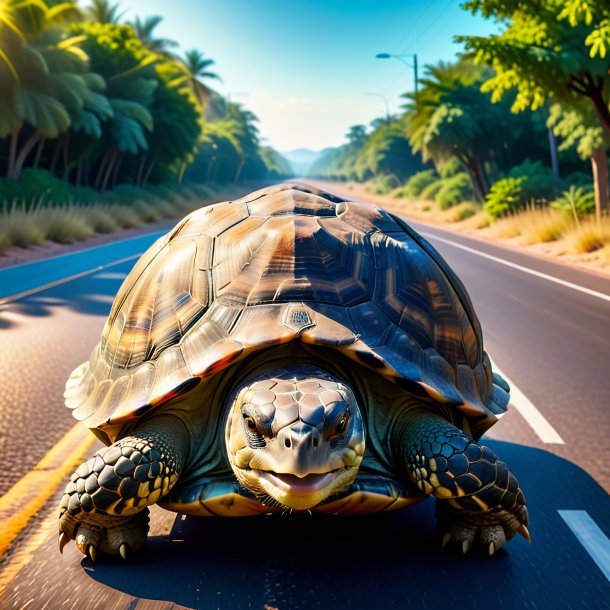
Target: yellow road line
20, 503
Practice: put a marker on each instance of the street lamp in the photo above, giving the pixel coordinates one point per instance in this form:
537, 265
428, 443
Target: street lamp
404, 61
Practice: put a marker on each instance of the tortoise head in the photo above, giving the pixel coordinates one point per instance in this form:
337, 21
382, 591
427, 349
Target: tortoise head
294, 436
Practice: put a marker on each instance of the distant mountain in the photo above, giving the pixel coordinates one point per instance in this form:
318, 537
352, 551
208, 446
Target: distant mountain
302, 159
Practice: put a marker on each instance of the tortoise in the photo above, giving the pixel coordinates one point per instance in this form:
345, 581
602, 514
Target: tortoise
290, 350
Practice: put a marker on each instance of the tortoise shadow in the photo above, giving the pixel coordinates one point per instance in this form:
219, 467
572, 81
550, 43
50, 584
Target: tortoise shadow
384, 560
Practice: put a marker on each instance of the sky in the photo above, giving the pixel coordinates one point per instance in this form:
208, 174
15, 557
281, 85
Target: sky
307, 68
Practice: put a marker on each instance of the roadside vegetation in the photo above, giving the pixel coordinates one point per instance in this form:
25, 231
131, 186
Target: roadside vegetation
512, 136
102, 122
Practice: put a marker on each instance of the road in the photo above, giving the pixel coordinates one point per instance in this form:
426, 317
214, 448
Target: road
546, 327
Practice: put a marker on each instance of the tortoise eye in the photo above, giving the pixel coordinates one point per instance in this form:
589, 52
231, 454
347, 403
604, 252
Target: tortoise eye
342, 425
250, 423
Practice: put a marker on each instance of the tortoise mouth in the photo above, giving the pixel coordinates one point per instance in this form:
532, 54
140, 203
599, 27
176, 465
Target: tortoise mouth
294, 485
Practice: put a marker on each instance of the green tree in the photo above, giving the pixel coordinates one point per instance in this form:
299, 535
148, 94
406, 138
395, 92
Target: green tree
144, 30
104, 11
549, 50
196, 67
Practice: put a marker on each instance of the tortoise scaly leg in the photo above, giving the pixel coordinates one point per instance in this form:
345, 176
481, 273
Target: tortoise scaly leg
103, 508
479, 502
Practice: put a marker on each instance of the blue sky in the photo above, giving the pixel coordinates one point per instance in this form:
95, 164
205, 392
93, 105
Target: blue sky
304, 67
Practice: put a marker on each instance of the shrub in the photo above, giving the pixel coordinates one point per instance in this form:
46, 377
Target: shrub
126, 216
384, 184
461, 212
64, 224
100, 218
454, 190
590, 236
527, 183
542, 225
418, 182
577, 201
146, 212
504, 196
451, 167
431, 190
20, 225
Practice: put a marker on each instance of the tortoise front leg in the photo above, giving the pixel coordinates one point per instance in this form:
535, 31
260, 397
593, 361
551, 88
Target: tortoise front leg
103, 508
478, 499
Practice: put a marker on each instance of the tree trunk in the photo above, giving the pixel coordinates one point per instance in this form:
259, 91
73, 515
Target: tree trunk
39, 152
12, 153
23, 154
599, 163
79, 172
238, 172
141, 170
101, 169
55, 156
113, 157
601, 108
477, 181
117, 167
554, 157
148, 172
64, 155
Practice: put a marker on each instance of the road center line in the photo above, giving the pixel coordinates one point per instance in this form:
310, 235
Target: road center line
590, 536
550, 278
539, 424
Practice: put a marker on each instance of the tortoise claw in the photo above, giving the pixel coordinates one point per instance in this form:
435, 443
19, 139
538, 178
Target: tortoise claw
446, 540
92, 552
491, 548
524, 532
124, 551
63, 540
465, 546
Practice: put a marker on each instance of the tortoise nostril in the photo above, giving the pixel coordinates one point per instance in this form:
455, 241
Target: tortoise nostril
287, 442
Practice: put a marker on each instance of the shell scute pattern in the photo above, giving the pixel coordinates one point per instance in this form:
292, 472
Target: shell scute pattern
283, 264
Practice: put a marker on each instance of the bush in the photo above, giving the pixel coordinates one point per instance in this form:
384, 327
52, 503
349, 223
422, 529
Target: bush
100, 218
384, 184
527, 183
450, 168
431, 190
126, 216
64, 224
20, 226
418, 182
454, 190
577, 201
504, 196
462, 211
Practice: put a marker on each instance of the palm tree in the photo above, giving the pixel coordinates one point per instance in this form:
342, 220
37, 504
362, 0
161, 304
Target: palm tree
196, 69
103, 11
47, 78
144, 29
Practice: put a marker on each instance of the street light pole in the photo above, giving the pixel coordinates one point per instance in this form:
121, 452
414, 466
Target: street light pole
400, 58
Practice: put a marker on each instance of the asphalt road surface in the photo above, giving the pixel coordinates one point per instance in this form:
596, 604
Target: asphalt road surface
544, 324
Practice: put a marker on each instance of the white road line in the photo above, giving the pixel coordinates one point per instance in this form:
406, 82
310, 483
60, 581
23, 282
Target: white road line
550, 278
590, 536
539, 424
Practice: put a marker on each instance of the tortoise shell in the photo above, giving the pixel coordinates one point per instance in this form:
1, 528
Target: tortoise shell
287, 263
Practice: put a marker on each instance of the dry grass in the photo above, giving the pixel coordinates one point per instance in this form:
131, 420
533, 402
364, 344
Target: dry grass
542, 225
24, 226
590, 236
460, 212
